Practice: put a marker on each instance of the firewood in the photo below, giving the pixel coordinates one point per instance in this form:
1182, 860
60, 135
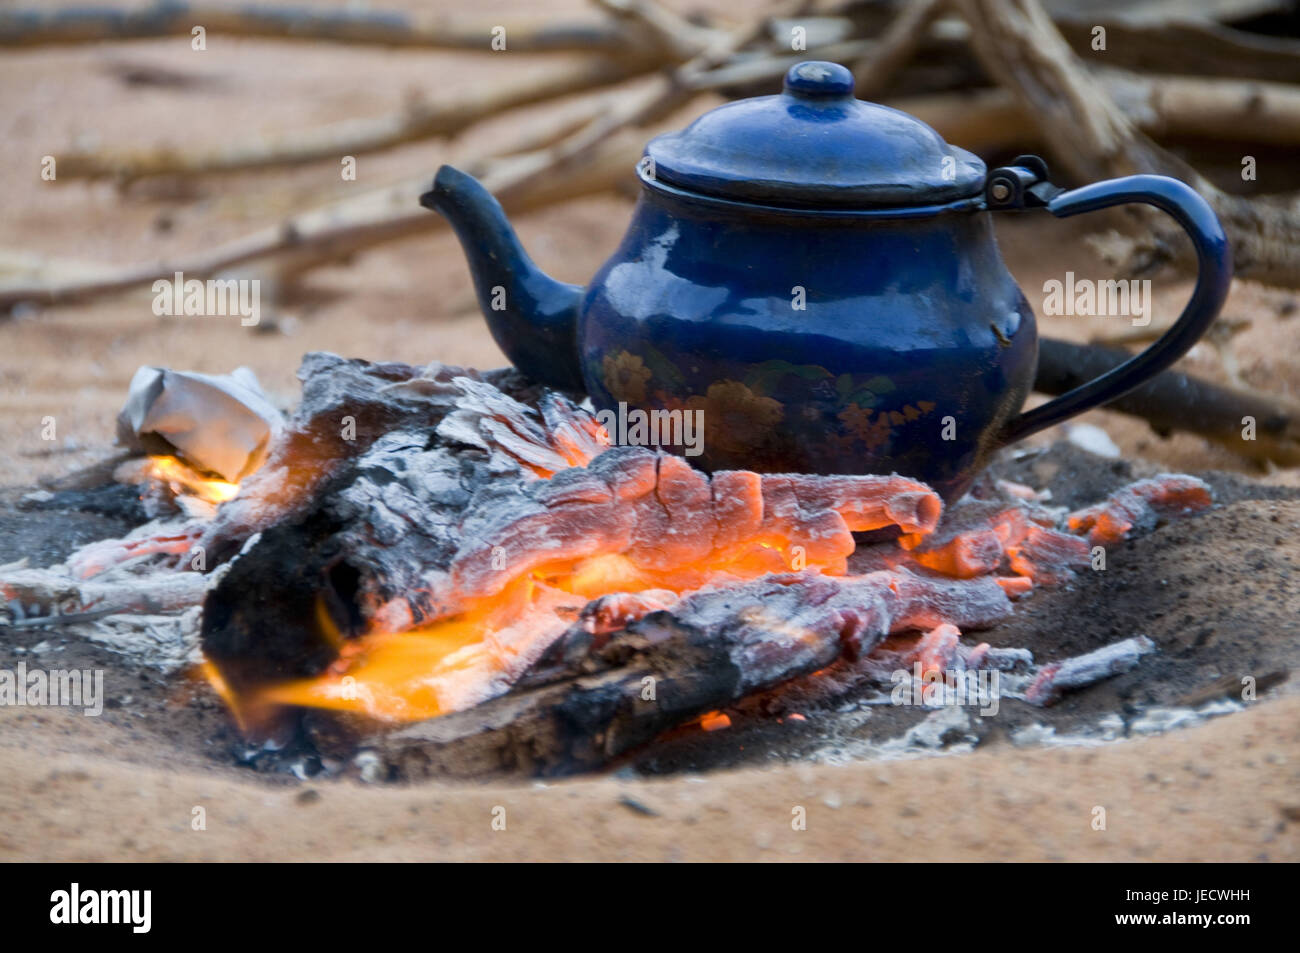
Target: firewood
1173, 401
359, 137
344, 228
1249, 111
1163, 107
421, 528
906, 32
40, 27
473, 544
707, 651
1019, 46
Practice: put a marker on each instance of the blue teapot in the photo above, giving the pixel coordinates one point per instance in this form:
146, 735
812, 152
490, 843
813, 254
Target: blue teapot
815, 280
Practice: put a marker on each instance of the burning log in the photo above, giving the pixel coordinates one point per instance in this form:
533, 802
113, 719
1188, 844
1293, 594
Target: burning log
711, 648
346, 406
486, 545
494, 562
439, 542
361, 499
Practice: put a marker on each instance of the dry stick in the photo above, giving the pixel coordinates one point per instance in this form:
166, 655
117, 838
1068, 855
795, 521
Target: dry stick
906, 32
358, 137
1018, 45
1183, 42
668, 92
666, 39
991, 120
592, 160
39, 27
675, 34
1174, 401
1183, 46
1174, 106
344, 228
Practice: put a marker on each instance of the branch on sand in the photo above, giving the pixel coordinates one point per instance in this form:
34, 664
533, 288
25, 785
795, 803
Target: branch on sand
1019, 46
32, 27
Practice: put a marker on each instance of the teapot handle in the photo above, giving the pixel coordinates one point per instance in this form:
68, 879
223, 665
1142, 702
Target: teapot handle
1024, 184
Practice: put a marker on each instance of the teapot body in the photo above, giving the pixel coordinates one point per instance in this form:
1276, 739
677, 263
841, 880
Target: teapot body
809, 342
810, 284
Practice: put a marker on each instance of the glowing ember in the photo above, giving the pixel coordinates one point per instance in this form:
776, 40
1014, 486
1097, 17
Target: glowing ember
937, 648
454, 560
635, 533
604, 544
1138, 506
715, 721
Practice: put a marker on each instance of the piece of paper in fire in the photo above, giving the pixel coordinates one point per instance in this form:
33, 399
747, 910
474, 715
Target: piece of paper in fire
222, 423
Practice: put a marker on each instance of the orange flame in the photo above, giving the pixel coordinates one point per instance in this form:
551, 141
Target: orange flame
433, 669
184, 480
502, 622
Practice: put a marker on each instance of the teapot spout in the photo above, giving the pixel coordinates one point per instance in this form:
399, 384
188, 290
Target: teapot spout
532, 317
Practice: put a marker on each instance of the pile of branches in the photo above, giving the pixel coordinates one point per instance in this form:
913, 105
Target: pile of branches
1104, 93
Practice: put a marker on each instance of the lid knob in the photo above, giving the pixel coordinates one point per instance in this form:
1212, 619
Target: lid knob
817, 79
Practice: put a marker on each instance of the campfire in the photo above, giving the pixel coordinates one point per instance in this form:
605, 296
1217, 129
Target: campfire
462, 553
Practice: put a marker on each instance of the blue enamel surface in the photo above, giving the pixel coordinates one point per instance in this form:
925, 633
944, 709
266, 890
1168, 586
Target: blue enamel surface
817, 330
532, 317
905, 323
815, 146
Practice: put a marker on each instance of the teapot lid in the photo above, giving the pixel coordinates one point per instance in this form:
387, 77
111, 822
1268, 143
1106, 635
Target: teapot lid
815, 146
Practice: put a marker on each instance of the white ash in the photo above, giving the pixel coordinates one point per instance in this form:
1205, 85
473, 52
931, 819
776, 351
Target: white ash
35, 597
1093, 439
943, 731
168, 643
1081, 670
